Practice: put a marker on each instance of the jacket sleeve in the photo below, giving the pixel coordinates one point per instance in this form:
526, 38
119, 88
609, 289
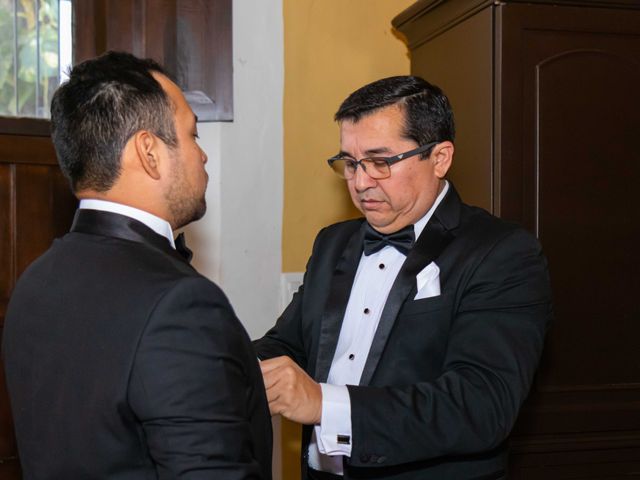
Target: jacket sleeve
287, 336
495, 341
190, 385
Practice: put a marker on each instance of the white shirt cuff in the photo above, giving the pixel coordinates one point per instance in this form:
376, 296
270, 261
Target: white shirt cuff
334, 432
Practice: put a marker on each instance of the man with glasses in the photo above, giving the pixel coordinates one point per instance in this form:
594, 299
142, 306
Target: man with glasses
412, 344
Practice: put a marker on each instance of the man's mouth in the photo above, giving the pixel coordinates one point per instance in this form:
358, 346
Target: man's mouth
369, 202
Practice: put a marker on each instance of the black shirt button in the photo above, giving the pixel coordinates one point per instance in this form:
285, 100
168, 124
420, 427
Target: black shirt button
351, 356
381, 266
366, 311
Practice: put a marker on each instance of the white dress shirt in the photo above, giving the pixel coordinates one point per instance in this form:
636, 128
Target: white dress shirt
157, 224
331, 440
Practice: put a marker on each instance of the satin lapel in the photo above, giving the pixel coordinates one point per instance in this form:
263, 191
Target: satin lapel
432, 241
336, 305
110, 224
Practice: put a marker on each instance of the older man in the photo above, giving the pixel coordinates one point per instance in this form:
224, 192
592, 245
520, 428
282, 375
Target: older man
412, 344
123, 362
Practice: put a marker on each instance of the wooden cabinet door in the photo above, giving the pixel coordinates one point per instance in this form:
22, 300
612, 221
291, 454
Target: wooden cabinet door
568, 169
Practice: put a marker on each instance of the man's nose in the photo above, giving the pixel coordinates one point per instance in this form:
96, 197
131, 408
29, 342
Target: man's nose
362, 180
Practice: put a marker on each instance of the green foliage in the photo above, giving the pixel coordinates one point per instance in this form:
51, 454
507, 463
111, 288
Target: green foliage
37, 75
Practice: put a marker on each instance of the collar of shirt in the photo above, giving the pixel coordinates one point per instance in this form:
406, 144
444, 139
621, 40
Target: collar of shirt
420, 224
157, 224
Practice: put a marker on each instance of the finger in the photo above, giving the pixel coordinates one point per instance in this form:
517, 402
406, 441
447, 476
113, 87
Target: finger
269, 379
275, 363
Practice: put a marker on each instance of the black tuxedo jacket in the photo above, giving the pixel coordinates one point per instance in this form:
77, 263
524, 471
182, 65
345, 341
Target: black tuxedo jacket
446, 375
122, 362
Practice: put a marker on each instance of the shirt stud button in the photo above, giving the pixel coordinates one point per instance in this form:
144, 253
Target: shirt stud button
381, 266
366, 311
351, 356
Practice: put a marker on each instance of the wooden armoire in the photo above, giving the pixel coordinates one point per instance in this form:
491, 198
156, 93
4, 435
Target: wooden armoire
547, 103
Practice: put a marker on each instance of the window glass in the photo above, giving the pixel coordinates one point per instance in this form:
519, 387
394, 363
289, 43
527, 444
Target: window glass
35, 54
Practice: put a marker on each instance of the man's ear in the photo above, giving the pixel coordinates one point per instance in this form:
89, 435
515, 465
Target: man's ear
148, 152
442, 156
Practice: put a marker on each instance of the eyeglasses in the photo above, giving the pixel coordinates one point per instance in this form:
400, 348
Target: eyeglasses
376, 167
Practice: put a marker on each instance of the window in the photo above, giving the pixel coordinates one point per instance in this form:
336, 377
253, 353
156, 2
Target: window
35, 54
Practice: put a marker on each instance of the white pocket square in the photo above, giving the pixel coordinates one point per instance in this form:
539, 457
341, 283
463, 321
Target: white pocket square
428, 282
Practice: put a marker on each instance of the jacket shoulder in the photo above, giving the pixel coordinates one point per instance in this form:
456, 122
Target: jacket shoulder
478, 222
340, 230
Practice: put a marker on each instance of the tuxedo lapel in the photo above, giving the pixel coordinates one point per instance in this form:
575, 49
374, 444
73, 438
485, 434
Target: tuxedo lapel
432, 241
109, 224
336, 305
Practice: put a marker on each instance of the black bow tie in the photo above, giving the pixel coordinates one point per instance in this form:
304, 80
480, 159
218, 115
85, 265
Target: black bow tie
182, 249
402, 240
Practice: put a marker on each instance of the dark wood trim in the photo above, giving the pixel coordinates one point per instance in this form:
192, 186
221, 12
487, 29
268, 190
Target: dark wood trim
37, 151
32, 127
572, 442
445, 14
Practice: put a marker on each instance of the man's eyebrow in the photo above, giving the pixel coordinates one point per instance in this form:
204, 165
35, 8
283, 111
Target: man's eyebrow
369, 153
377, 151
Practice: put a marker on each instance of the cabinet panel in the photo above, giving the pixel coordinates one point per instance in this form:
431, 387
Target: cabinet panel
588, 219
568, 166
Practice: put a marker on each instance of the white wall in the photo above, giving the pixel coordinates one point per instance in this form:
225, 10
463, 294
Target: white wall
238, 243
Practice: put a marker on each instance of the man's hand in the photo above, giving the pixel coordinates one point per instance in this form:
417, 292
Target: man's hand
291, 392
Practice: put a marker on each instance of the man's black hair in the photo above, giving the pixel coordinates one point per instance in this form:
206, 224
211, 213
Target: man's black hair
105, 101
427, 112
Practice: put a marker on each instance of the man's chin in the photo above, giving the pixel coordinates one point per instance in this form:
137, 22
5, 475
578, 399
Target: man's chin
375, 221
200, 211
196, 214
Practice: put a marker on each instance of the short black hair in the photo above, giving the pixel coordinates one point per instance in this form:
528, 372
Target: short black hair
427, 111
106, 101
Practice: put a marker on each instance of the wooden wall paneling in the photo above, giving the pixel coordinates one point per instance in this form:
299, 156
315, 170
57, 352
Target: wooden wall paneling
20, 149
63, 203
142, 27
192, 39
160, 40
204, 55
9, 467
9, 464
34, 220
7, 269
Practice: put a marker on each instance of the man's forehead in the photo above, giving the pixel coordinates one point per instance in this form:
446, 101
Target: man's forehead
384, 122
173, 91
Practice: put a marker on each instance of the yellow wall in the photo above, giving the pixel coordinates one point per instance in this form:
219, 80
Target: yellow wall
331, 48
